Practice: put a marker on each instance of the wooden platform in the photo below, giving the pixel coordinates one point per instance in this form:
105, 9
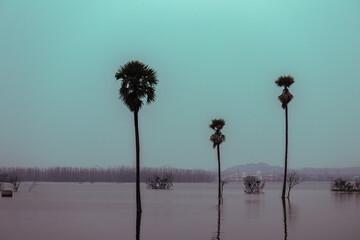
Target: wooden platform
6, 193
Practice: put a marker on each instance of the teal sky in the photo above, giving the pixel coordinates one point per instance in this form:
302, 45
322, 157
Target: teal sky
59, 101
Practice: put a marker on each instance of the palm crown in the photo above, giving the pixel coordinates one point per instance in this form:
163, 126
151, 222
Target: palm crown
138, 82
217, 138
285, 81
286, 96
217, 124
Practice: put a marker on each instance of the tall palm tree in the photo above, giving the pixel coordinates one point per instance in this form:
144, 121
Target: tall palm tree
138, 84
217, 138
285, 98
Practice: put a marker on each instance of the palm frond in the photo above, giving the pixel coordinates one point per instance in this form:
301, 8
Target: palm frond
138, 82
150, 92
217, 124
285, 81
285, 98
217, 138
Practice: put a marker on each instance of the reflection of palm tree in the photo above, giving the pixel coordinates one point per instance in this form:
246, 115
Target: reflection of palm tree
285, 98
217, 138
285, 222
138, 225
138, 83
217, 237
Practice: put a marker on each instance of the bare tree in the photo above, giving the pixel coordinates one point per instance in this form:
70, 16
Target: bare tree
156, 182
293, 179
15, 181
253, 184
2, 180
344, 185
357, 183
35, 182
223, 182
341, 184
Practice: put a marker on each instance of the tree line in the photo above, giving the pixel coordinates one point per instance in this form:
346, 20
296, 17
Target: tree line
116, 174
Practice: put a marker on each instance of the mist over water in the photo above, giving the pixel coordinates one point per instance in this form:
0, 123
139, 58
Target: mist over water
60, 211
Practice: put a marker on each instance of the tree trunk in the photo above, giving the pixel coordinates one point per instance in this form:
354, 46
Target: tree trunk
138, 225
138, 198
286, 152
288, 195
219, 222
284, 215
219, 172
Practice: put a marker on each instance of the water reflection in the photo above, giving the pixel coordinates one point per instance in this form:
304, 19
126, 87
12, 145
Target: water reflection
220, 201
138, 225
285, 221
292, 213
254, 206
217, 236
345, 197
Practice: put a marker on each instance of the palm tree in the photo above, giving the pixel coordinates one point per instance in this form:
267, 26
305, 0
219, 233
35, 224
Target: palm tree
285, 98
217, 138
138, 84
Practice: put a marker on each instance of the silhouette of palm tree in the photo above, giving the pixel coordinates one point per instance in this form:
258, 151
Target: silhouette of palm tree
285, 98
217, 138
284, 218
138, 84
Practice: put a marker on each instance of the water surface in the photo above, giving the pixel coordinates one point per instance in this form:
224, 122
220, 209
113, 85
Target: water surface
61, 211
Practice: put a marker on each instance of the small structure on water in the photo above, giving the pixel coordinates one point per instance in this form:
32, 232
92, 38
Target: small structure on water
6, 193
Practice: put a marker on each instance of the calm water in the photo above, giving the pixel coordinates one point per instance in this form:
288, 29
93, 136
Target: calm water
59, 211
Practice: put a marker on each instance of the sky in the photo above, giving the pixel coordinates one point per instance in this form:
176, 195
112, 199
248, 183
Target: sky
59, 102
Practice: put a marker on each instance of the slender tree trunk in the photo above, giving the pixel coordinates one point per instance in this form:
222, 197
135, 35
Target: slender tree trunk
284, 215
288, 194
138, 198
219, 172
218, 223
138, 225
286, 152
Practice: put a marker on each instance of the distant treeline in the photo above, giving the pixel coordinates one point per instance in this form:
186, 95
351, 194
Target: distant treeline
119, 174
306, 174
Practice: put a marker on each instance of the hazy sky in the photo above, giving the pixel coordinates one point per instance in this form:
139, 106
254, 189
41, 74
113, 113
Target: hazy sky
59, 101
